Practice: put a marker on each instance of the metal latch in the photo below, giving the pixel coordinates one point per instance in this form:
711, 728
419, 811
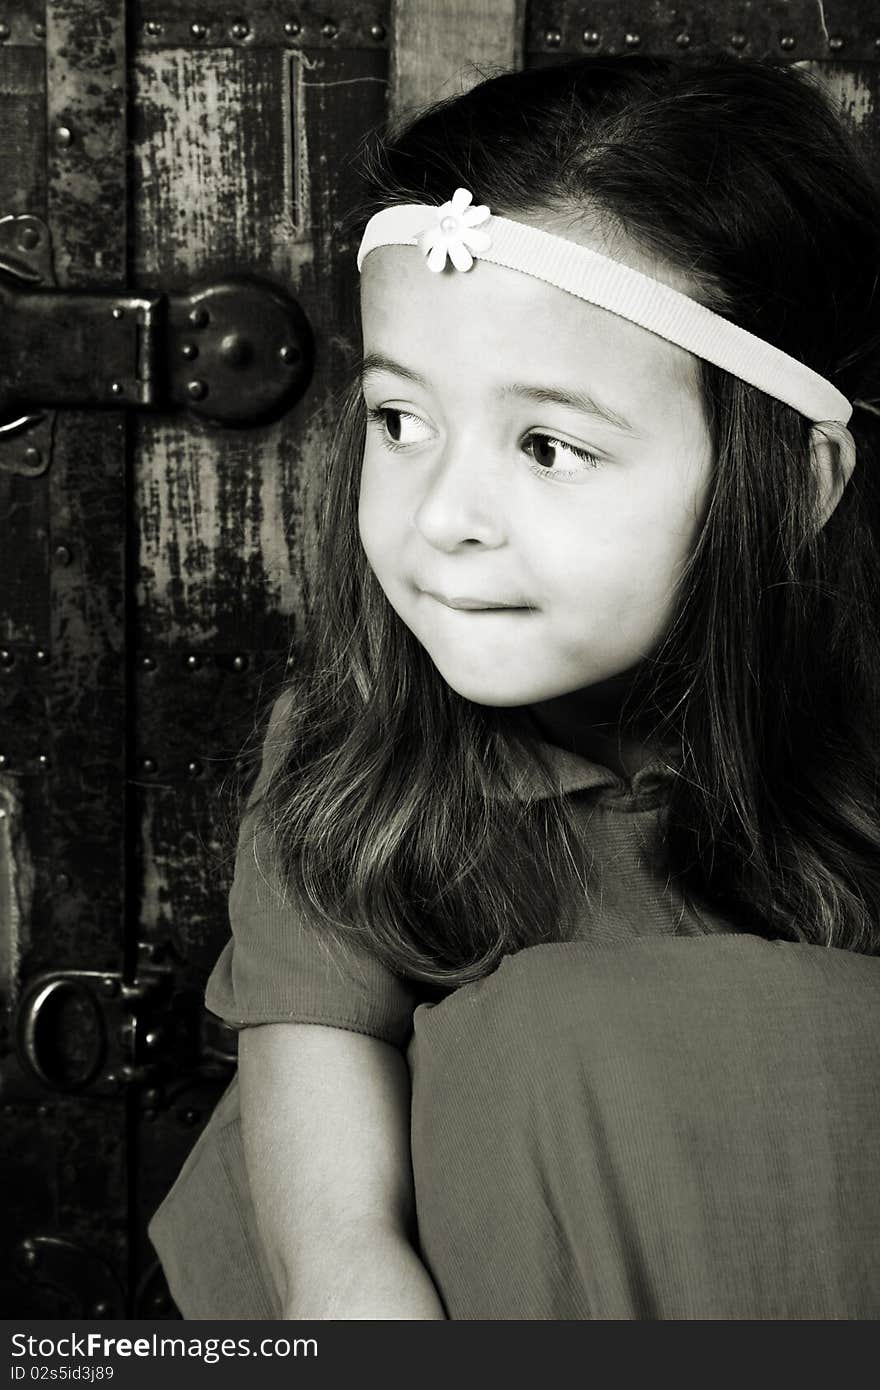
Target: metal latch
238, 351
95, 1030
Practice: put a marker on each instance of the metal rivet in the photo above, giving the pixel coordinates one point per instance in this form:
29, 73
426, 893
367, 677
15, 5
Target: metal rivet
196, 390
153, 28
41, 656
148, 765
63, 555
835, 43
64, 135
591, 37
28, 238
198, 31
4, 32
30, 1255
193, 768
738, 40
148, 663
189, 351
110, 986
290, 354
292, 29
787, 41
32, 456
189, 1117
193, 662
6, 657
235, 350
877, 41
683, 40
632, 40
100, 1309
329, 30
199, 317
239, 663
39, 30
117, 388
377, 32
42, 1110
63, 883
553, 38
43, 760
240, 31
118, 313
3, 764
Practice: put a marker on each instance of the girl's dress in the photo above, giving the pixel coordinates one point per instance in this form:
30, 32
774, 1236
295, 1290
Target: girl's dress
665, 1118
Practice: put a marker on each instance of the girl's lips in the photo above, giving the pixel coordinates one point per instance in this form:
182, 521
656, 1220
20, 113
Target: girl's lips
473, 605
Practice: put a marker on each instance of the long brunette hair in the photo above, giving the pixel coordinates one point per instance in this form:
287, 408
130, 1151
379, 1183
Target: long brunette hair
390, 815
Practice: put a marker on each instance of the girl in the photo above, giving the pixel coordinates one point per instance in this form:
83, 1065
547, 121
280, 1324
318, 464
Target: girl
566, 830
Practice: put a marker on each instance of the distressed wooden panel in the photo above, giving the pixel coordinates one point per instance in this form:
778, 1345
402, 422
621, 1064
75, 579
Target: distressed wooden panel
88, 691
65, 1163
855, 90
85, 46
23, 112
23, 24
221, 548
441, 47
796, 29
188, 773
313, 23
65, 1233
24, 617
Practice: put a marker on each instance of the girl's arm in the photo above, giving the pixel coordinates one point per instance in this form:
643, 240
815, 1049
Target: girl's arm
325, 1123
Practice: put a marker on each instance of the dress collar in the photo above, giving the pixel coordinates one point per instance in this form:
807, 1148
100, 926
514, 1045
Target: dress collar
571, 772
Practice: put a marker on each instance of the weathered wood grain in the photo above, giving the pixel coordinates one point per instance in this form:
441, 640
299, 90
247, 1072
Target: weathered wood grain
24, 522
440, 47
854, 89
244, 162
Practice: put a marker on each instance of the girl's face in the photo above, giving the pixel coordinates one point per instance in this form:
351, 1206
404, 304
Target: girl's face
534, 475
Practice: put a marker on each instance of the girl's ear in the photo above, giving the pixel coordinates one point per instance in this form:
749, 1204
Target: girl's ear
833, 454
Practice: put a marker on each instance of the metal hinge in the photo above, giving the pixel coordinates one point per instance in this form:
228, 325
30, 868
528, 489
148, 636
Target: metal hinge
237, 351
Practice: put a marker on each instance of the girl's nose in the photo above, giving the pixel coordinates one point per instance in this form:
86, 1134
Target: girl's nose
460, 504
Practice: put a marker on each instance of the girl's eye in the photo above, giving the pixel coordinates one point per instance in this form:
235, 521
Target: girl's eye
553, 457
398, 427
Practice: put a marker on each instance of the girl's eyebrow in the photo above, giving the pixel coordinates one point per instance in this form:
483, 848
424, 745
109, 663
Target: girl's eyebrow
574, 400
540, 395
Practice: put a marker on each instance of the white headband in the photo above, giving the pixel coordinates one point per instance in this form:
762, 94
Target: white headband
462, 232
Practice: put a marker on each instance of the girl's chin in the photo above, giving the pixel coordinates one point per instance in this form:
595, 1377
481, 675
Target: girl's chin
489, 690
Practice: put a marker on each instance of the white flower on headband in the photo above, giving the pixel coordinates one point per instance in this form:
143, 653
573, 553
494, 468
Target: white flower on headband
456, 233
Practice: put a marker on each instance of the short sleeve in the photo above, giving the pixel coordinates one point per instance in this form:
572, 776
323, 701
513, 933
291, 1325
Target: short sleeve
278, 969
